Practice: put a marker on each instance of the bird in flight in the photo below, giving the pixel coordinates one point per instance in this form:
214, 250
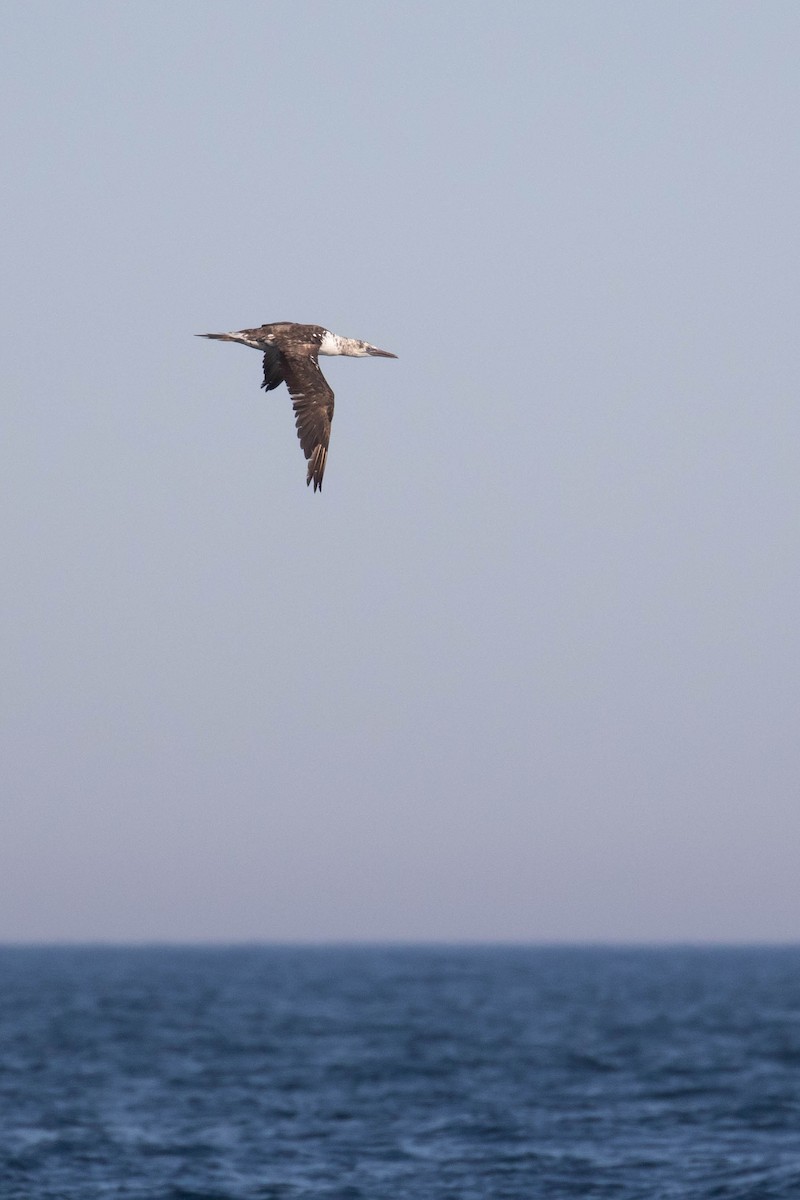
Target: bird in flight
291, 353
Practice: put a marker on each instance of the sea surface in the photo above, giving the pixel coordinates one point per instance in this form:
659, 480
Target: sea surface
179, 1073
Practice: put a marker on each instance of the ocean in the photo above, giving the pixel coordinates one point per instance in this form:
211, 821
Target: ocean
410, 1073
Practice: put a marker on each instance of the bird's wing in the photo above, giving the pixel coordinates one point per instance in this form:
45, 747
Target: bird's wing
312, 399
273, 368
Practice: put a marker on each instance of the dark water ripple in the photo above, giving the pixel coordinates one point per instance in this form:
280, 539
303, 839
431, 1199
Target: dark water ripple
427, 1074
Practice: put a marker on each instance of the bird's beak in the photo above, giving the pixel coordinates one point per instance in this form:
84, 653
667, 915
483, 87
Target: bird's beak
374, 352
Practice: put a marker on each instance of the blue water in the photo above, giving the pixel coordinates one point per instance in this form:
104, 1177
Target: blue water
413, 1073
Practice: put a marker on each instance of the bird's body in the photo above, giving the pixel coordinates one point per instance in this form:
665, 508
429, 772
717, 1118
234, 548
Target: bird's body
291, 354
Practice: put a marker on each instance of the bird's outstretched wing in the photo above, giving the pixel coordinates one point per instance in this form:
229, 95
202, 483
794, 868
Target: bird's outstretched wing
312, 399
273, 368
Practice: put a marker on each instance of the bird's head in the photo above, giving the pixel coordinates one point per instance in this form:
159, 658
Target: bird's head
332, 343
365, 348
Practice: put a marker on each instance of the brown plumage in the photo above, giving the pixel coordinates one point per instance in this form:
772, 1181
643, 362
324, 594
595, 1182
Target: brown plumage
291, 356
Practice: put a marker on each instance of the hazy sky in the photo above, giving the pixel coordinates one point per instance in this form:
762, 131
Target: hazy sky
529, 667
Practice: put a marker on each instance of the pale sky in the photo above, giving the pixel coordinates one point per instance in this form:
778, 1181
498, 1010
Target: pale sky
528, 667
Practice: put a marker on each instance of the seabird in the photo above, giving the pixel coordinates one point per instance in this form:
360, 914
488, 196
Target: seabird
291, 355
